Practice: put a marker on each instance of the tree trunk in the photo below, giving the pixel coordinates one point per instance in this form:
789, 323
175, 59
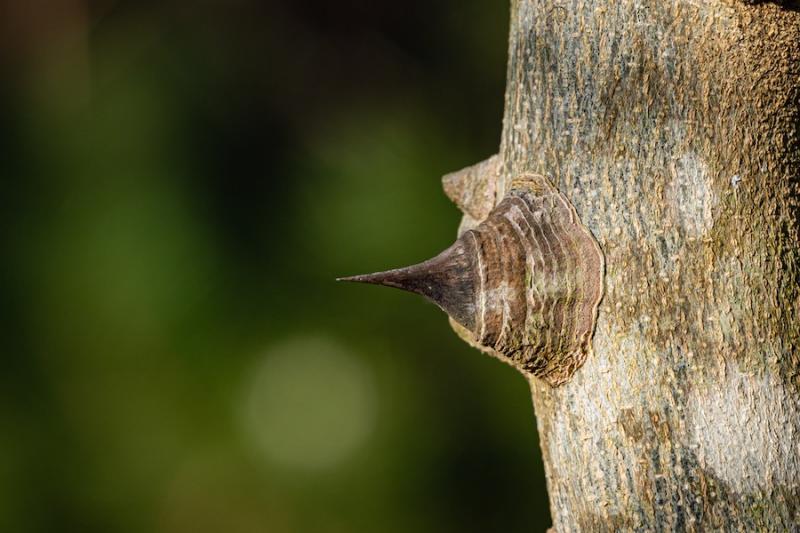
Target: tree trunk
672, 127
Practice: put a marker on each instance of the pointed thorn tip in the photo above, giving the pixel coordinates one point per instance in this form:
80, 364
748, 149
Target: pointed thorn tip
362, 278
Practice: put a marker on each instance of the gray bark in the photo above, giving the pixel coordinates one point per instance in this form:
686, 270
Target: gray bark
672, 127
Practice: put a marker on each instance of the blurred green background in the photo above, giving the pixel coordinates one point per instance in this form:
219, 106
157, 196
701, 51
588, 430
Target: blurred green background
182, 181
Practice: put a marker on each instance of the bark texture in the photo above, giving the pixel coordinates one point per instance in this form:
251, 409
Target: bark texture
673, 127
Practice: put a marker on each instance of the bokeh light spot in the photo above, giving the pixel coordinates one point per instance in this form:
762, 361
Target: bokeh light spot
309, 404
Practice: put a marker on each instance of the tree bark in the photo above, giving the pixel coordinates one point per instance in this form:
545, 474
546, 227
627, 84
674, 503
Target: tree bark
673, 128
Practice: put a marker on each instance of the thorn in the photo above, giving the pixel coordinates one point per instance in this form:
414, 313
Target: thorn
449, 280
389, 278
361, 278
